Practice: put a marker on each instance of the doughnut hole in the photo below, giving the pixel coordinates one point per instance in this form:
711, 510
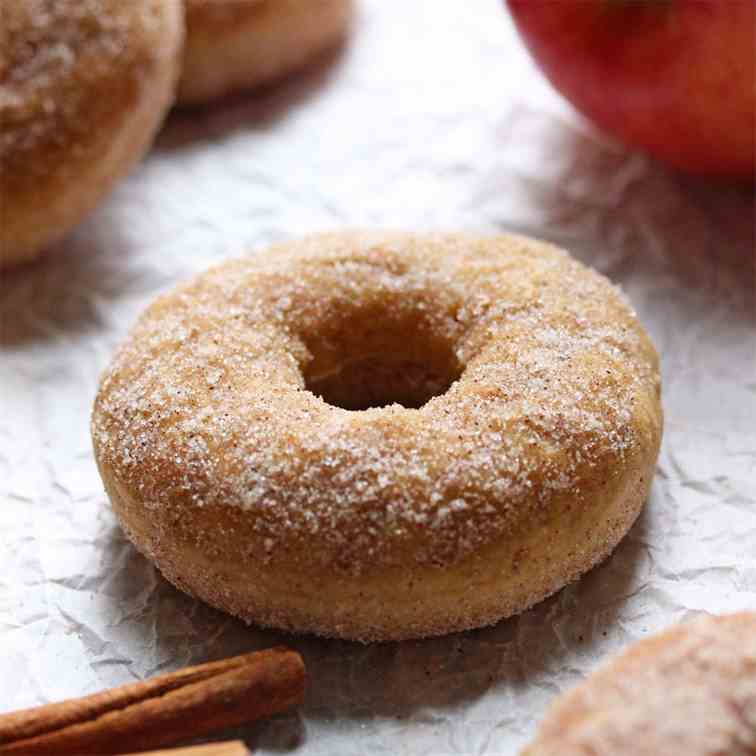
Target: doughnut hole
377, 356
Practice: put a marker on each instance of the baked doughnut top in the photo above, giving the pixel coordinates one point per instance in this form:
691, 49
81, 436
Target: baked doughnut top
219, 16
236, 45
357, 401
68, 71
689, 690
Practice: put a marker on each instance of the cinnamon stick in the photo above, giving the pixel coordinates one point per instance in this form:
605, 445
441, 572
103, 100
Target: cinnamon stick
163, 710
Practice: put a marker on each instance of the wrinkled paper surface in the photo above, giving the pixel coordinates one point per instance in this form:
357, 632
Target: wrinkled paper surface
433, 117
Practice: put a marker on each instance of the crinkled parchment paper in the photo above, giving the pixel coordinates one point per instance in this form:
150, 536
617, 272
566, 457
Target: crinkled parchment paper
433, 117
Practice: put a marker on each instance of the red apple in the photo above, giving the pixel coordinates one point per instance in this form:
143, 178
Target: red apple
674, 77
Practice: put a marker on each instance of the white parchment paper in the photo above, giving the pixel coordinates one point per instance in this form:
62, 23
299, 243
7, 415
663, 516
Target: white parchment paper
433, 117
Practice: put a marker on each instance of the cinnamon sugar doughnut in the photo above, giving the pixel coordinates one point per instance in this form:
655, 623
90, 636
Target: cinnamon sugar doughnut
381, 436
84, 85
240, 44
690, 690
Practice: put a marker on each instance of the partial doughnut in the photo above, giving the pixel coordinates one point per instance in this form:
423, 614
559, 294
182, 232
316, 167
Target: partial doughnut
690, 690
234, 45
84, 85
381, 436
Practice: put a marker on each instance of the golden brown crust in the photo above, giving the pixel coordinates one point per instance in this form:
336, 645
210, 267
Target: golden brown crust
83, 87
518, 478
212, 17
240, 44
691, 690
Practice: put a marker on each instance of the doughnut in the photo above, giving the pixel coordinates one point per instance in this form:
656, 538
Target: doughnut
690, 690
240, 44
84, 85
379, 436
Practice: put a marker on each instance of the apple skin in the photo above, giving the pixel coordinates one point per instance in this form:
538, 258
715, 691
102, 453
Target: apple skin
676, 78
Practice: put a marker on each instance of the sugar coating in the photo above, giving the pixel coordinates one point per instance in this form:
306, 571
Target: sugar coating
67, 66
690, 690
84, 86
206, 405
